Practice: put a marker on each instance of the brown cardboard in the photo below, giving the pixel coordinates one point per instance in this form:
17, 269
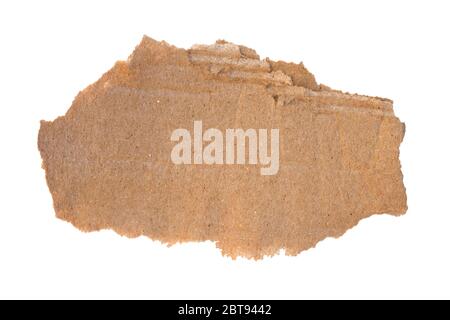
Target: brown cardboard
108, 160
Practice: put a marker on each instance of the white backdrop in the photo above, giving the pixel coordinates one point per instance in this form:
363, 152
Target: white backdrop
50, 50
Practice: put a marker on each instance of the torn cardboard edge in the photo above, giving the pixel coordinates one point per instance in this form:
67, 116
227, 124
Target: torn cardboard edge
108, 163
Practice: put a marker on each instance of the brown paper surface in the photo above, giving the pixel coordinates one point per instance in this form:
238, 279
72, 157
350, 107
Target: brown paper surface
109, 162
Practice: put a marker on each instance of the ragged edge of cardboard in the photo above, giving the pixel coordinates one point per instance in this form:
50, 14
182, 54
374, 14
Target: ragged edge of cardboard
287, 83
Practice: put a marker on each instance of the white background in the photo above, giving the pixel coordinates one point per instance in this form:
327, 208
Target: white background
50, 50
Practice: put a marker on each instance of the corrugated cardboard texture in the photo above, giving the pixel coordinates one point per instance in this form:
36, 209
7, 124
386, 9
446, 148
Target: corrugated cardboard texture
108, 163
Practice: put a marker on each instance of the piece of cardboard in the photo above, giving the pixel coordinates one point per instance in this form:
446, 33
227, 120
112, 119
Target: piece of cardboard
109, 161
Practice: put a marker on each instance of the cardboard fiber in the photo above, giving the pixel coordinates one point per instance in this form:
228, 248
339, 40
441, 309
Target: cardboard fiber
313, 161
